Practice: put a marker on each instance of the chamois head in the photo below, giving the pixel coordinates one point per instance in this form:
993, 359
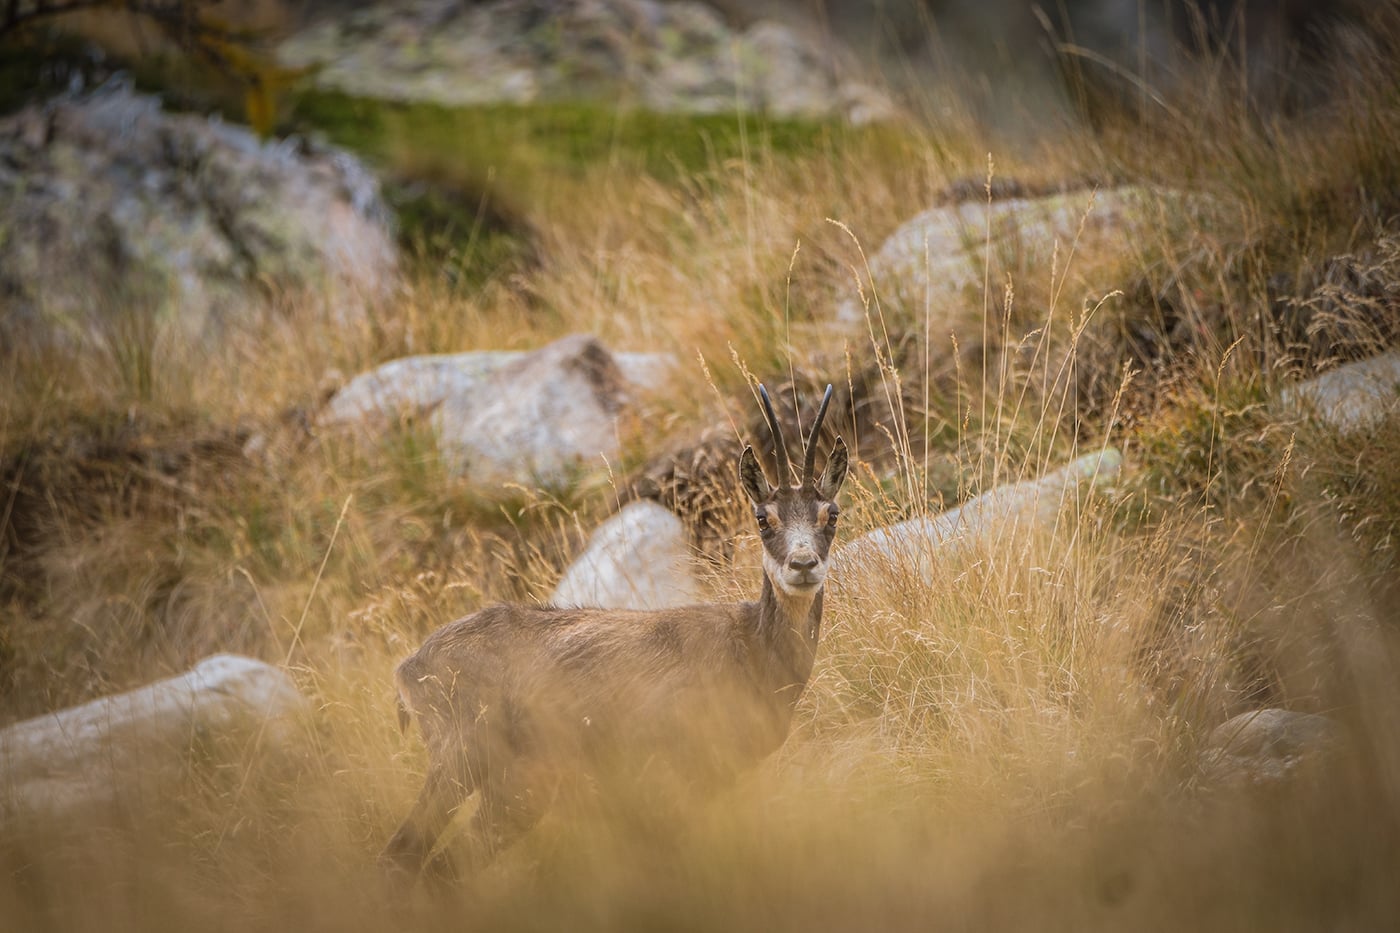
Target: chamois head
796, 523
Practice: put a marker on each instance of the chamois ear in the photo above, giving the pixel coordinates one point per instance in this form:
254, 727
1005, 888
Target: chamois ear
834, 473
751, 478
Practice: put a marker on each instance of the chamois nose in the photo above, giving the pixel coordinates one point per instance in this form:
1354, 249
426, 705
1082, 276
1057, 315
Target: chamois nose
802, 561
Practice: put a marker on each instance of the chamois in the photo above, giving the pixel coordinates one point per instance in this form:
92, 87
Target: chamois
512, 700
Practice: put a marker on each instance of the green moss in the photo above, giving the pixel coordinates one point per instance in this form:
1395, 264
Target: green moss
1220, 451
448, 225
353, 122
1358, 474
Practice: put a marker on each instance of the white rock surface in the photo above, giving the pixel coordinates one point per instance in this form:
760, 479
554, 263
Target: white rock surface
532, 418
415, 385
537, 420
674, 56
410, 386
110, 205
1266, 746
104, 751
638, 559
913, 546
1352, 396
940, 255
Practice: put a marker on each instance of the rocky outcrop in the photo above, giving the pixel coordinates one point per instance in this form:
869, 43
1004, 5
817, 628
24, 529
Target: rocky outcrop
410, 387
413, 386
914, 546
539, 419
103, 753
939, 258
1351, 397
1266, 746
503, 418
677, 56
112, 206
638, 559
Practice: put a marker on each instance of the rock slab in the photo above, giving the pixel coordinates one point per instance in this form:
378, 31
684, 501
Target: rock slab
100, 753
913, 546
1351, 397
638, 559
412, 386
1266, 746
503, 418
541, 418
940, 256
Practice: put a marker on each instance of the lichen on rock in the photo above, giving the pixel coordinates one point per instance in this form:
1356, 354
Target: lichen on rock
181, 217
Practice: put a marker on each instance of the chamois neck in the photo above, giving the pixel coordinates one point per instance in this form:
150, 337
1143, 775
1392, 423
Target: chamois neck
788, 628
782, 615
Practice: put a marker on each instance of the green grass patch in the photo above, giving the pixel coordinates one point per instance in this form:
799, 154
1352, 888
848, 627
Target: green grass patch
521, 144
470, 184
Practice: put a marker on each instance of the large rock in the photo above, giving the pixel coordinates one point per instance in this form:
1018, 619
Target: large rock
540, 419
913, 546
938, 259
1352, 396
111, 750
412, 386
1266, 746
502, 418
638, 559
677, 56
112, 206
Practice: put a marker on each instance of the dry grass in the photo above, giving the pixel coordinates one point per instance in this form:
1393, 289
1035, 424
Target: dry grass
1009, 744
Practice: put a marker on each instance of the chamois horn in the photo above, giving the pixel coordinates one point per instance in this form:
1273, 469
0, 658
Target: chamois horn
784, 471
809, 461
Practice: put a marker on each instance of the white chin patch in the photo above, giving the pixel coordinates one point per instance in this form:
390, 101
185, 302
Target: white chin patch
802, 587
793, 583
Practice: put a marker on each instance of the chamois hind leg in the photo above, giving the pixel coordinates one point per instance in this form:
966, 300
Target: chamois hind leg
505, 811
442, 792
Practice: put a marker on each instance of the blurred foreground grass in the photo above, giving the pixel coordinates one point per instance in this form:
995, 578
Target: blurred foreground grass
1009, 745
